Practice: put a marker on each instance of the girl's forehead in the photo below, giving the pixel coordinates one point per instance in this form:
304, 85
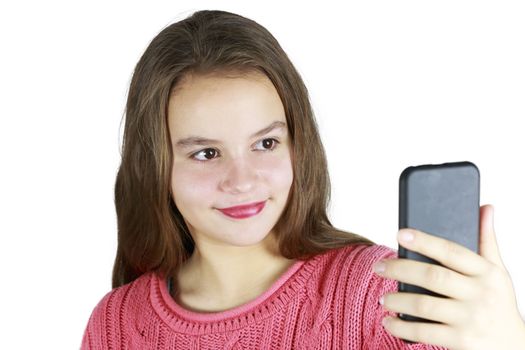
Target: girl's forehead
236, 102
196, 85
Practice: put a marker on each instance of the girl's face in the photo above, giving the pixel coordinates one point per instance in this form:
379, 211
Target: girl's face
239, 164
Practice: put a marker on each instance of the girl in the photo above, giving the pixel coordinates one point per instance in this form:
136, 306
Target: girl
223, 237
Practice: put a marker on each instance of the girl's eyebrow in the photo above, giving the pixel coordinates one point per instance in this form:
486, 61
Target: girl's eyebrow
202, 141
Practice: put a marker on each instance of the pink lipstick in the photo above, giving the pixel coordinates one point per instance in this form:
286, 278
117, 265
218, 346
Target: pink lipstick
244, 211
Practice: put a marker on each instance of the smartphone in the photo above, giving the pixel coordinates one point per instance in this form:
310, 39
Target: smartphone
441, 200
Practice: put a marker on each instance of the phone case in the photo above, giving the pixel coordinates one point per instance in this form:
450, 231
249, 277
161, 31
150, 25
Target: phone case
442, 200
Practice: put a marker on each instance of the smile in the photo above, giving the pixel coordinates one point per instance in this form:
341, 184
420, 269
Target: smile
243, 211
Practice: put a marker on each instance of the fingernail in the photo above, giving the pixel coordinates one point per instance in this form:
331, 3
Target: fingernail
379, 267
406, 236
382, 300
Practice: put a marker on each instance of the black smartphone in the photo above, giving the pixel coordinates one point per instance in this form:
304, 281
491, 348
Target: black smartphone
442, 200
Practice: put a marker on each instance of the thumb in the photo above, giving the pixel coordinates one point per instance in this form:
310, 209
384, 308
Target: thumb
488, 245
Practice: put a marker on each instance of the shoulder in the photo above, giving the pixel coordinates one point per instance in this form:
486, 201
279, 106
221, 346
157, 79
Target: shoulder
124, 294
349, 273
361, 289
357, 260
111, 311
366, 253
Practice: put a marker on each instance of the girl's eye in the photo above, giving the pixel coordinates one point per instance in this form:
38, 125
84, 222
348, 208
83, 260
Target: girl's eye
212, 151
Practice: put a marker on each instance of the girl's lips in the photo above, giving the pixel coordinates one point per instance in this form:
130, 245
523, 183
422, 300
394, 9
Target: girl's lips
244, 206
243, 211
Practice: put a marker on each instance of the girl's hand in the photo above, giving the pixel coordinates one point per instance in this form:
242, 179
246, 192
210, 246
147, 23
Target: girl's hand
481, 313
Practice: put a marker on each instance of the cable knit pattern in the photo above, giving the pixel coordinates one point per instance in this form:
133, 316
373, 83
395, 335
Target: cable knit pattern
330, 301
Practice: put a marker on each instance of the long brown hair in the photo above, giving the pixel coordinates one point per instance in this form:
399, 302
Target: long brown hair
152, 235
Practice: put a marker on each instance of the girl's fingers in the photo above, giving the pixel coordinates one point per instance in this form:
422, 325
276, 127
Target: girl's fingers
448, 253
447, 311
429, 276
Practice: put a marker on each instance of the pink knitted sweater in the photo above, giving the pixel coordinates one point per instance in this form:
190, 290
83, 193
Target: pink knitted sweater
327, 302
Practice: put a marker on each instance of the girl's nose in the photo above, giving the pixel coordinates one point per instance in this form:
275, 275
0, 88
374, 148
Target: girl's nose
240, 176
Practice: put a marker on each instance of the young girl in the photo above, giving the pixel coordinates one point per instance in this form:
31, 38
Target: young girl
223, 237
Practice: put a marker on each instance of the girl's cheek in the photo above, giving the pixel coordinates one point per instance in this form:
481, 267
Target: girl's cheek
277, 171
192, 181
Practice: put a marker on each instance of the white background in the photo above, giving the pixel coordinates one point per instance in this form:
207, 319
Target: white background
393, 84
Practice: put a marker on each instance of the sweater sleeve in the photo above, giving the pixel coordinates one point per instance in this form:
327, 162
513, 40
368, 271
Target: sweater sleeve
95, 333
379, 337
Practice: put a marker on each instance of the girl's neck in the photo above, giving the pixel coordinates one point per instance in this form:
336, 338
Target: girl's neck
205, 288
230, 270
